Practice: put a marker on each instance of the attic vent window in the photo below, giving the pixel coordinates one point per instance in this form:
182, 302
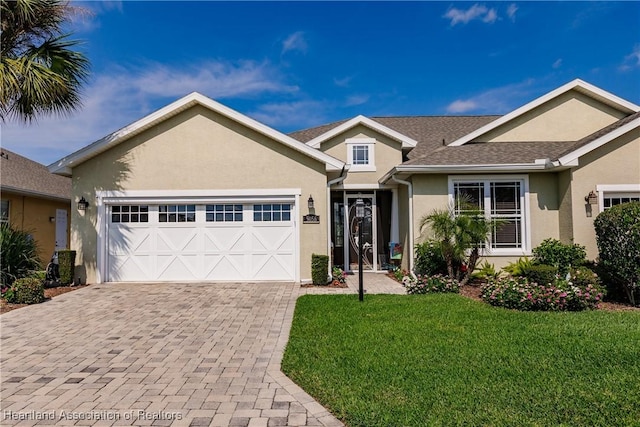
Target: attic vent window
361, 154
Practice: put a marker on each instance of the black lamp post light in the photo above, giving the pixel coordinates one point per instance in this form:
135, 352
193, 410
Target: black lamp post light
360, 216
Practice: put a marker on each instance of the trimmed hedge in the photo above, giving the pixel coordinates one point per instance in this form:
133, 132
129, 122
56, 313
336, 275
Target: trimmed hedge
319, 269
27, 290
430, 284
563, 256
618, 238
542, 274
67, 264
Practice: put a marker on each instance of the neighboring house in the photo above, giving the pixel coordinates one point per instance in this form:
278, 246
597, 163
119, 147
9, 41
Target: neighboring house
199, 192
35, 200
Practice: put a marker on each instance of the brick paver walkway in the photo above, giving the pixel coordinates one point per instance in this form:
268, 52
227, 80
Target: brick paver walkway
157, 354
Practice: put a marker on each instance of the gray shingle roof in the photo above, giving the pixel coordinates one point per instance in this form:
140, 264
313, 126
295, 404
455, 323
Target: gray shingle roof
17, 173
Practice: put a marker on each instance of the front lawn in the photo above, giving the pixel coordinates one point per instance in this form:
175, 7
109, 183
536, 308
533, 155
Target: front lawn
447, 360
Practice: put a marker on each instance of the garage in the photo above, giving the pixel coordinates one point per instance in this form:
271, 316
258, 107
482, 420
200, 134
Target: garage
217, 239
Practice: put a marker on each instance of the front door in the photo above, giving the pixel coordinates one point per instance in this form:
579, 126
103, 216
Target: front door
61, 229
368, 233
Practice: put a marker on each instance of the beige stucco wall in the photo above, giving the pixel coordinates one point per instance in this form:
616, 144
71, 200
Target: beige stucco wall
199, 150
32, 214
568, 117
388, 154
617, 162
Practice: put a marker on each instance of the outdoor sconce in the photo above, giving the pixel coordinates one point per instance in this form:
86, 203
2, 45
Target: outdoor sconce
591, 198
310, 204
360, 217
52, 219
83, 204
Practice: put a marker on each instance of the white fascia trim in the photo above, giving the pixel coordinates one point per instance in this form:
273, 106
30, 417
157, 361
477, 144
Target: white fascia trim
511, 167
197, 196
601, 189
362, 120
64, 165
585, 87
364, 187
571, 158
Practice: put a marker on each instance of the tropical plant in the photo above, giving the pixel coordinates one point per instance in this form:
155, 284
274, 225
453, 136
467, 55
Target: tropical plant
18, 254
429, 259
486, 271
518, 268
618, 238
41, 72
460, 236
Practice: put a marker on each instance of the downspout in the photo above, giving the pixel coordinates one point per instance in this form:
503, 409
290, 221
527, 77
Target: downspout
410, 191
342, 177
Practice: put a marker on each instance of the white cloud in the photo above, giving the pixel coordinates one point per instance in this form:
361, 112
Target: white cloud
354, 100
557, 64
475, 12
295, 43
511, 11
343, 82
632, 60
293, 115
121, 96
494, 101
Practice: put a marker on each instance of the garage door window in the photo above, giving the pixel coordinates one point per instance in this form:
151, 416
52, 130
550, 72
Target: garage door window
272, 212
130, 213
177, 213
224, 213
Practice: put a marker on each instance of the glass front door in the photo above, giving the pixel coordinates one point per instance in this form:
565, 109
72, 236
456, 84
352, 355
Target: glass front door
368, 239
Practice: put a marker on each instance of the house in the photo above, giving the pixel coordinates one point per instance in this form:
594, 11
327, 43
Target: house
199, 192
35, 200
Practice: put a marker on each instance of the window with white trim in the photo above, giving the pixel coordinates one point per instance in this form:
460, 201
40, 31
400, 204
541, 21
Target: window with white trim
500, 199
224, 213
613, 199
129, 213
272, 212
177, 213
4, 212
360, 154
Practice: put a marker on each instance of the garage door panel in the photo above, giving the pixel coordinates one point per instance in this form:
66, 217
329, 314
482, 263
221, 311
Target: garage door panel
202, 250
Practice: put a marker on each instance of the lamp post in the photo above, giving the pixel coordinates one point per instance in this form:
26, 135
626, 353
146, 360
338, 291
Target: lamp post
360, 216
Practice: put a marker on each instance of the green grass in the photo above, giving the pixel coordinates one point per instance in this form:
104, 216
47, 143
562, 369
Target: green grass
447, 360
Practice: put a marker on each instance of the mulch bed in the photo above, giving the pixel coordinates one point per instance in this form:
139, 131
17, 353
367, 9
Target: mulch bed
330, 285
48, 294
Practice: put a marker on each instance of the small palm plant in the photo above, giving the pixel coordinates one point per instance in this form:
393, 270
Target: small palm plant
460, 236
19, 254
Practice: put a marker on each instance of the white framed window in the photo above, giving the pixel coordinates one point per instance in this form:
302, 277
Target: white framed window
610, 195
272, 212
177, 213
129, 213
223, 213
503, 198
4, 212
361, 154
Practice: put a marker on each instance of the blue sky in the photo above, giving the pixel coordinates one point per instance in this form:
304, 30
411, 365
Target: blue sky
294, 65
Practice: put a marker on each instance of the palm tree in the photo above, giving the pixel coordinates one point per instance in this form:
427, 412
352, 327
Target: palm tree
41, 73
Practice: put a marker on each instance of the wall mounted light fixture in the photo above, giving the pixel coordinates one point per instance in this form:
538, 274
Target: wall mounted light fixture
52, 219
83, 204
591, 198
311, 203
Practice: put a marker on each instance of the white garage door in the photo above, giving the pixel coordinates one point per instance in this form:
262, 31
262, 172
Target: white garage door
201, 242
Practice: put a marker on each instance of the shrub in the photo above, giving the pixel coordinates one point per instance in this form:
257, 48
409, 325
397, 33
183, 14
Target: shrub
67, 263
583, 276
618, 238
542, 274
562, 256
27, 290
19, 254
520, 294
430, 284
338, 274
399, 274
429, 259
319, 269
487, 271
518, 268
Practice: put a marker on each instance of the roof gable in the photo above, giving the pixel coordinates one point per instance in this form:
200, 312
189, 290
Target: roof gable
578, 85
64, 165
364, 121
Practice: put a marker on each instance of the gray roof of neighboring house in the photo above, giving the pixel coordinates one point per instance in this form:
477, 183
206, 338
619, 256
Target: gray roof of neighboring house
22, 175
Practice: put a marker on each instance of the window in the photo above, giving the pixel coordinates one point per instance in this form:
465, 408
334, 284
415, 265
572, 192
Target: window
130, 213
4, 212
501, 199
272, 212
360, 154
224, 213
177, 213
612, 199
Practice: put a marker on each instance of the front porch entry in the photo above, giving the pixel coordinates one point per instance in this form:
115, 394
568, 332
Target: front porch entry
379, 227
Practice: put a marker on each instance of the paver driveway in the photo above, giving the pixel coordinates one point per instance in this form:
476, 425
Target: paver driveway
154, 354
